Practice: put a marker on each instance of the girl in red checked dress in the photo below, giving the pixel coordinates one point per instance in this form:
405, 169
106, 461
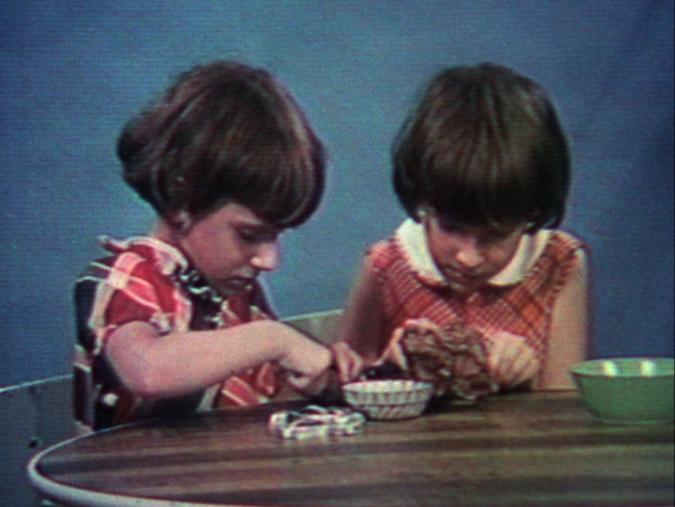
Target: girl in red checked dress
482, 169
176, 320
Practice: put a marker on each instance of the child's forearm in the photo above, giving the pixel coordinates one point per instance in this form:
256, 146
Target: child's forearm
362, 323
180, 363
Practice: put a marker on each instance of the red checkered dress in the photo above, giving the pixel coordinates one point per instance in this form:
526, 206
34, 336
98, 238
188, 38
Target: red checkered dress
147, 280
521, 306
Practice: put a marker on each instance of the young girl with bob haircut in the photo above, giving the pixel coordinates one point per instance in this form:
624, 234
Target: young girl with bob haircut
482, 169
176, 320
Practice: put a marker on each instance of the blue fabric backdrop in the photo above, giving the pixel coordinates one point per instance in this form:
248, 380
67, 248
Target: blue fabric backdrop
71, 72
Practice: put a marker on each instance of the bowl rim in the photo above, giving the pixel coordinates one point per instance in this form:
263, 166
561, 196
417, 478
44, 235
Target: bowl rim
411, 386
575, 368
388, 404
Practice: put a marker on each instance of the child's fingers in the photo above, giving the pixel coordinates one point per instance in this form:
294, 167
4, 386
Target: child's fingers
529, 372
348, 362
511, 360
532, 368
396, 336
495, 358
355, 369
352, 369
518, 363
524, 367
394, 354
297, 381
518, 358
307, 384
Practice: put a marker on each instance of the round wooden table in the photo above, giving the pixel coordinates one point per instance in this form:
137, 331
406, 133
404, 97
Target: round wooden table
518, 449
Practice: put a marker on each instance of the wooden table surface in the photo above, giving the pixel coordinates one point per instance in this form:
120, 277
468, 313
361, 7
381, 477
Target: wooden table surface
518, 449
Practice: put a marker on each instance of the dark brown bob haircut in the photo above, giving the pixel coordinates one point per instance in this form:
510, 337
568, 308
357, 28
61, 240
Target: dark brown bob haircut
225, 132
483, 148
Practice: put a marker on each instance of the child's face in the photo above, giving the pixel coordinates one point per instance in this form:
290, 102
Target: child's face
231, 247
469, 256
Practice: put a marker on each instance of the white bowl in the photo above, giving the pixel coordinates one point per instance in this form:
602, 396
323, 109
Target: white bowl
388, 399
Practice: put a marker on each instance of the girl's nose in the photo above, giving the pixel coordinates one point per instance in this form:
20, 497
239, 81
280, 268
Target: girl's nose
267, 256
469, 254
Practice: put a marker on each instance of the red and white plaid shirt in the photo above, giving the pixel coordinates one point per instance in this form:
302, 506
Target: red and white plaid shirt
519, 299
144, 279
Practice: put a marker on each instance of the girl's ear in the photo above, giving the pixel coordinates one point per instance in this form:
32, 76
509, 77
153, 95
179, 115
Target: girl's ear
531, 228
181, 221
421, 213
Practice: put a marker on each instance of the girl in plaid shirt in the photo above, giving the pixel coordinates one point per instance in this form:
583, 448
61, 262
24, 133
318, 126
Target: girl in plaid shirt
175, 320
482, 169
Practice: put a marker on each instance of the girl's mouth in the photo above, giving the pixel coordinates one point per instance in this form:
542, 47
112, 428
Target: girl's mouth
461, 281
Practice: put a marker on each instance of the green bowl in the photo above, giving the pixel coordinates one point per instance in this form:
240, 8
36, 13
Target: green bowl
635, 390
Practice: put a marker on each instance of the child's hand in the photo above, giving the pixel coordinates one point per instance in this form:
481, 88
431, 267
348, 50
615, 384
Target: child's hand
349, 363
511, 361
307, 363
394, 352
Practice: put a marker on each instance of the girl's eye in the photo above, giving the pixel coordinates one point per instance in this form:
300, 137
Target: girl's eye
450, 227
255, 237
247, 237
495, 237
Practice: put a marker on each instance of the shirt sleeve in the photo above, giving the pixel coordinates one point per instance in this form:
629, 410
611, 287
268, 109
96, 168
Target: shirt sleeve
126, 289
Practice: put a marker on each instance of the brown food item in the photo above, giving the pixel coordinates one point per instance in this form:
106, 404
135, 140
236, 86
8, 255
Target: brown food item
453, 359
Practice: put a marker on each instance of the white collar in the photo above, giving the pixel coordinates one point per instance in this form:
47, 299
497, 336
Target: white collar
167, 256
412, 240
